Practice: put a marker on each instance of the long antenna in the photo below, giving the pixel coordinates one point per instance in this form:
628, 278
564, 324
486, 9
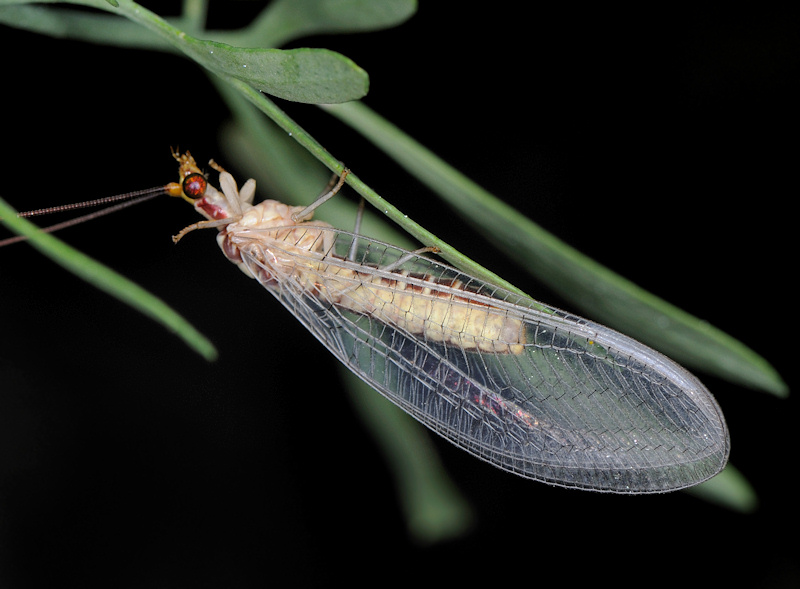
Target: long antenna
129, 198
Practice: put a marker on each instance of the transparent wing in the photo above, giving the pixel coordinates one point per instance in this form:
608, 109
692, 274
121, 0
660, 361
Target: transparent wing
580, 406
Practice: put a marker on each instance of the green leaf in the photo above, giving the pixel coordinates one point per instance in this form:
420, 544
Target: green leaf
286, 20
84, 26
599, 292
301, 75
107, 280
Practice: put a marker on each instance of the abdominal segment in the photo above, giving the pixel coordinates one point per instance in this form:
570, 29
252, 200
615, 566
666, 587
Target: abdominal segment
422, 305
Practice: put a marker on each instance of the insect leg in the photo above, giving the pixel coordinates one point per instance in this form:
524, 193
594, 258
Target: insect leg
351, 255
306, 213
403, 259
200, 225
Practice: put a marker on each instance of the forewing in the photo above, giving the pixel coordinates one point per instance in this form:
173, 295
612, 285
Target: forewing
581, 405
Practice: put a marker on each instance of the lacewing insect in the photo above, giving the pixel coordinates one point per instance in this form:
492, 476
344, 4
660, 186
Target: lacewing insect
527, 387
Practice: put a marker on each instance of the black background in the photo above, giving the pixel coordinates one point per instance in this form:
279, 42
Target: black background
662, 143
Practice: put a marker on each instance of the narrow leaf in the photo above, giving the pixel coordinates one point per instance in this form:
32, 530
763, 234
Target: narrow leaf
286, 20
83, 26
729, 489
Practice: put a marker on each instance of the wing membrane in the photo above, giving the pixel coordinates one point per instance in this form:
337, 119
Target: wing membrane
576, 405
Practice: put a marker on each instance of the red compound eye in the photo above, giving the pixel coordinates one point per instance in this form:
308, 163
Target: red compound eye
194, 185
